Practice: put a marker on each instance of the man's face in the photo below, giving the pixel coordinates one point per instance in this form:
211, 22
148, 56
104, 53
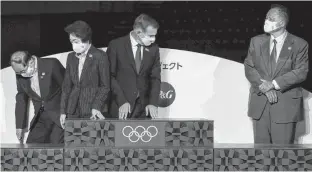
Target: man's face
149, 36
273, 16
273, 21
19, 68
24, 70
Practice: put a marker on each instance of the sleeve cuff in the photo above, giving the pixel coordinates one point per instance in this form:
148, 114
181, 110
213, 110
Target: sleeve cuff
276, 85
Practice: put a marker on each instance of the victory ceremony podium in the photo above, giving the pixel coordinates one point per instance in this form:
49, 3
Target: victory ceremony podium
151, 145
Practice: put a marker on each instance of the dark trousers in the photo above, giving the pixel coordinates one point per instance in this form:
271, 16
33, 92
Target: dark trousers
267, 131
45, 130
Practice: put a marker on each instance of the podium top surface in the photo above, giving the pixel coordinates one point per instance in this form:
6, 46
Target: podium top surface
214, 146
138, 119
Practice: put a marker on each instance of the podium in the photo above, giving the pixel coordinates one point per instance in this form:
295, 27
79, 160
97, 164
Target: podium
138, 145
151, 145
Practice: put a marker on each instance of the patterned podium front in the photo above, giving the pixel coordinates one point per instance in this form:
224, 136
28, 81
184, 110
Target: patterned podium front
32, 158
151, 145
138, 133
138, 145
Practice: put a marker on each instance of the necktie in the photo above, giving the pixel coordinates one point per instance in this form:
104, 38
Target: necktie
138, 58
273, 57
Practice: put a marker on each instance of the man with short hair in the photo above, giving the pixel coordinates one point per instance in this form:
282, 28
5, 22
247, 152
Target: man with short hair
135, 71
41, 80
276, 65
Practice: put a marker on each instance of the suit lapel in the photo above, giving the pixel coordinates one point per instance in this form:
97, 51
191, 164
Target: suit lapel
284, 55
75, 64
27, 86
265, 53
130, 52
25, 82
87, 63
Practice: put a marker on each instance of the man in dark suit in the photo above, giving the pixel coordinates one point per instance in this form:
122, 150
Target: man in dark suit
276, 65
87, 81
40, 80
135, 71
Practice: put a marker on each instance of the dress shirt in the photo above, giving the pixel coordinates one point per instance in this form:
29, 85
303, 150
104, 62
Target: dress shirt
279, 45
34, 80
82, 58
134, 47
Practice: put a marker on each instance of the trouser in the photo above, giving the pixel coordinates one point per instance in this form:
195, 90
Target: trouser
45, 130
269, 132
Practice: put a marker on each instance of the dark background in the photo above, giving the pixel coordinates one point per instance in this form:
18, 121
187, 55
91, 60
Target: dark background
217, 28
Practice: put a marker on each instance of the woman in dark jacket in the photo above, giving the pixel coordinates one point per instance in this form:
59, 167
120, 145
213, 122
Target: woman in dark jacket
87, 81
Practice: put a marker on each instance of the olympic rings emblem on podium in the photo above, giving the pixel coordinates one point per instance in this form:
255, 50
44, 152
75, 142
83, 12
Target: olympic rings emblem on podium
129, 132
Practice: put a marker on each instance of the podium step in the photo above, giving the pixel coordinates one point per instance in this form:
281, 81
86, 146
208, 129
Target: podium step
220, 157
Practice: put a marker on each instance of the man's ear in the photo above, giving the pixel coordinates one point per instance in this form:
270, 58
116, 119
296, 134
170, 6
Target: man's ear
281, 24
138, 32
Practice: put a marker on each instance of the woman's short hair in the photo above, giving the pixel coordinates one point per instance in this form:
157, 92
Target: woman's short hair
80, 29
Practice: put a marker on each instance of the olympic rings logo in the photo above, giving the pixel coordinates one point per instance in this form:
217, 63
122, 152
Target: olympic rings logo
140, 132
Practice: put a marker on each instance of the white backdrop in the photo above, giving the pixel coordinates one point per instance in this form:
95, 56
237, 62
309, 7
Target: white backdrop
205, 87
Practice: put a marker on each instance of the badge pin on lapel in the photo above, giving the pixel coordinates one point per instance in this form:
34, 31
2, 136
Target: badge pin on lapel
146, 49
289, 48
42, 74
90, 55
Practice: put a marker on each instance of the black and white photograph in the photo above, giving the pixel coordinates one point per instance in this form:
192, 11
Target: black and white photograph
156, 86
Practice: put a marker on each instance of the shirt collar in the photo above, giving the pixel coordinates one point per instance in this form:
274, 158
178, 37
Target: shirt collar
84, 54
134, 43
280, 38
36, 63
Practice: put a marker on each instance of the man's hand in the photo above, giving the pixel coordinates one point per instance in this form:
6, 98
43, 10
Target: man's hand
124, 110
20, 134
266, 86
62, 120
272, 96
152, 110
96, 114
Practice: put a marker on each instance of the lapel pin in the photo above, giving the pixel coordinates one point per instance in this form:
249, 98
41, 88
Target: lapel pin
146, 49
41, 77
90, 55
289, 48
43, 73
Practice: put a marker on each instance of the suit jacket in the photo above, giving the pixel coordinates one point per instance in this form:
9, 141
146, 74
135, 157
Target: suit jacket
91, 91
126, 82
291, 70
51, 75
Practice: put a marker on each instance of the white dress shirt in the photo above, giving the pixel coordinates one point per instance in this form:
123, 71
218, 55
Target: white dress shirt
82, 58
279, 45
134, 47
34, 80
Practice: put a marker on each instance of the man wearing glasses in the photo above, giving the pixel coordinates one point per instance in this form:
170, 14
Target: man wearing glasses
41, 81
